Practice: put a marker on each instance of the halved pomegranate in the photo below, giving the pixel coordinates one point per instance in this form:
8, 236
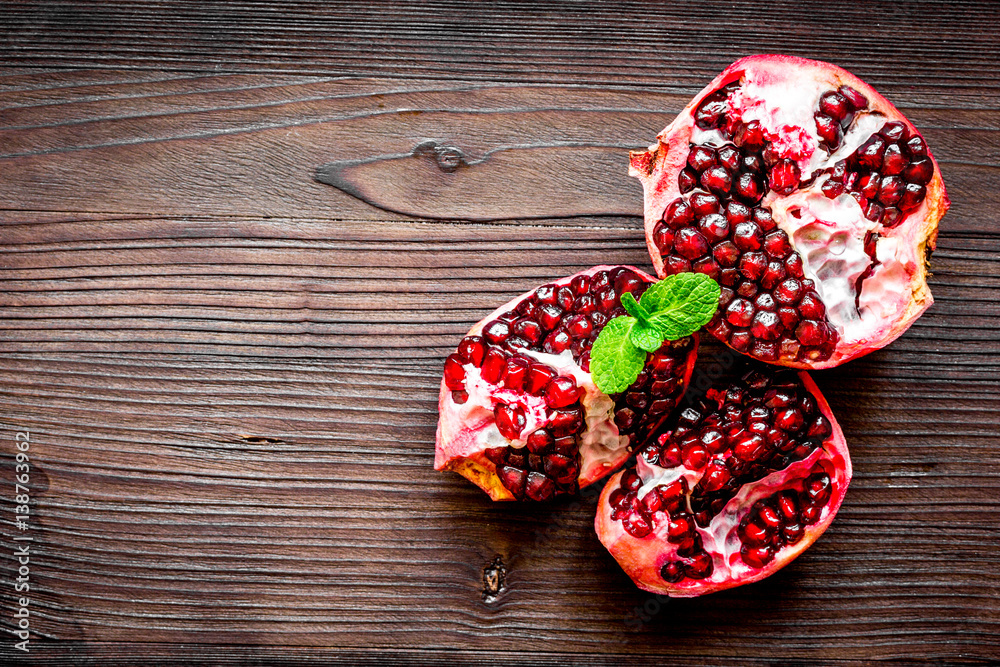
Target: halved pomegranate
808, 197
519, 413
741, 486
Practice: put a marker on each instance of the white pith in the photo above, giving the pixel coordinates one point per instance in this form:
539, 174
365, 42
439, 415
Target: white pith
829, 235
600, 444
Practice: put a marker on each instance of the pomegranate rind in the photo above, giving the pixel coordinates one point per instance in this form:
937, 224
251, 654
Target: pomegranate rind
642, 558
658, 166
457, 446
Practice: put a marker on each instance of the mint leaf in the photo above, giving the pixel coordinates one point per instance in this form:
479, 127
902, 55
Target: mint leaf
633, 308
615, 362
681, 304
646, 337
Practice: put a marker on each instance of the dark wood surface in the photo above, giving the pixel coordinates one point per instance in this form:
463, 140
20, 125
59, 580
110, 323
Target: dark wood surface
229, 370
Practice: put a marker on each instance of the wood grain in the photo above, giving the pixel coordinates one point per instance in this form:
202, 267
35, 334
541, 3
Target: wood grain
230, 370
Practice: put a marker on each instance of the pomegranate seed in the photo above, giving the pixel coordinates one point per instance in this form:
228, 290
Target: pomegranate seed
539, 487
913, 196
580, 285
766, 326
513, 479
539, 441
750, 447
747, 289
607, 299
811, 307
784, 177
562, 469
726, 253
651, 502
663, 237
792, 533
773, 274
711, 113
890, 190
764, 301
700, 567
496, 331
752, 265
834, 105
564, 423
703, 203
516, 372
454, 372
790, 420
714, 227
893, 160
701, 158
690, 244
916, 147
787, 506
919, 171
539, 376
810, 514
833, 189
672, 572
756, 536
528, 330
736, 212
871, 152
762, 216
789, 292
674, 264
857, 100
472, 349
695, 457
757, 557
748, 187
557, 341
686, 180
717, 179
460, 397
716, 476
776, 244
869, 184
750, 136
631, 481
509, 420
740, 341
564, 297
494, 365
561, 392
740, 313
748, 236
894, 131
820, 428
810, 333
678, 214
549, 316
829, 131
818, 489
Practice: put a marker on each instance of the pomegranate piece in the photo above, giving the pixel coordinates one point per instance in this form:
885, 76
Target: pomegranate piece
839, 182
520, 415
736, 490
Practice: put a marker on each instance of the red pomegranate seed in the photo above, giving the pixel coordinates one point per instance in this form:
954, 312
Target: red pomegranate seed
472, 349
509, 420
714, 227
810, 332
740, 313
752, 265
704, 203
516, 372
893, 160
748, 236
916, 147
766, 326
561, 392
748, 187
750, 136
871, 152
913, 196
726, 254
857, 100
672, 571
717, 179
513, 479
539, 441
829, 130
454, 372
919, 171
784, 177
678, 214
539, 487
700, 567
834, 105
729, 157
529, 330
539, 375
701, 158
690, 244
687, 179
496, 331
494, 365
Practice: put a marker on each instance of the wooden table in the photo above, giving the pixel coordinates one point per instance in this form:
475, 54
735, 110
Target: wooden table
229, 370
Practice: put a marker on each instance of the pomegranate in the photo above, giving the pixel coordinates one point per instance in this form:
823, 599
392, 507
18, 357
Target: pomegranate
809, 198
520, 415
741, 486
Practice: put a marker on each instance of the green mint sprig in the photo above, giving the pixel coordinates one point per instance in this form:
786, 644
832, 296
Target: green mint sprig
675, 307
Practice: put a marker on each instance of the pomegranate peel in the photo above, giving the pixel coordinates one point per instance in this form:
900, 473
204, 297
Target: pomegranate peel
520, 415
787, 171
735, 491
